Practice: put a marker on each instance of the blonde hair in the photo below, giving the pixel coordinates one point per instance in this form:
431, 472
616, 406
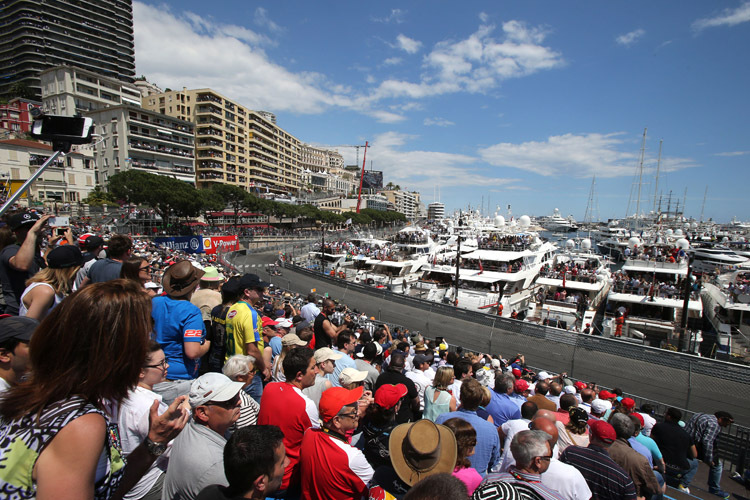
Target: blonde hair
60, 280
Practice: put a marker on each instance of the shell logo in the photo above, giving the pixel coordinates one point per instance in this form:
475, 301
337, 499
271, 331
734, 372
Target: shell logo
206, 243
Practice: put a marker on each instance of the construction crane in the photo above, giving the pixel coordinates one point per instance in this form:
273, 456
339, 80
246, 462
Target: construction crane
356, 146
362, 173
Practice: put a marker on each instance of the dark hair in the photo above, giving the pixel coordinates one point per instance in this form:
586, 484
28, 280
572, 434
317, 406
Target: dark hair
91, 345
118, 246
461, 368
466, 439
250, 453
438, 487
402, 346
153, 346
472, 394
647, 408
344, 337
452, 358
528, 410
397, 362
381, 417
724, 414
568, 401
311, 297
131, 267
297, 360
617, 391
675, 414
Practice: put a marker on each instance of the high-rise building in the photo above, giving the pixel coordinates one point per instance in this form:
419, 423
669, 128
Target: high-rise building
435, 211
67, 90
96, 35
234, 144
404, 202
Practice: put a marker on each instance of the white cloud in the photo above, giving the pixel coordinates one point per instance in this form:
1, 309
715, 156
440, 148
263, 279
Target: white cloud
580, 156
437, 121
395, 16
733, 153
392, 61
423, 170
727, 17
484, 17
478, 63
408, 45
629, 39
262, 20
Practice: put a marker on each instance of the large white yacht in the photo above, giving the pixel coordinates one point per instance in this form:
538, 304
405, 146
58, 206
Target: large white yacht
727, 305
716, 259
495, 277
649, 292
573, 288
558, 223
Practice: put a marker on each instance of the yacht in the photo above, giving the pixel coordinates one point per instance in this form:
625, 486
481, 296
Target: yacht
716, 259
573, 288
727, 304
558, 223
497, 276
649, 292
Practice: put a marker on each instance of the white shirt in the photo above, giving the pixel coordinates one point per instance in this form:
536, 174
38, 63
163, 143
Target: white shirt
422, 381
566, 480
648, 423
309, 311
133, 423
4, 386
510, 428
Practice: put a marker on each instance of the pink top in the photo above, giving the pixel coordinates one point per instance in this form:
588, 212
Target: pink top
469, 476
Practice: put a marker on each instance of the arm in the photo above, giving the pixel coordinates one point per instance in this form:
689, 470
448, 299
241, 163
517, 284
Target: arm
23, 259
163, 428
251, 349
193, 331
452, 405
196, 350
66, 469
38, 301
267, 353
334, 332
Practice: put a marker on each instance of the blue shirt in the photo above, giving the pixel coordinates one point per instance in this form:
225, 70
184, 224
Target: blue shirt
487, 451
343, 362
175, 323
503, 408
276, 346
642, 450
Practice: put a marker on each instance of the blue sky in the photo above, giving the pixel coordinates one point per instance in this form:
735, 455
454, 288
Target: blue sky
505, 102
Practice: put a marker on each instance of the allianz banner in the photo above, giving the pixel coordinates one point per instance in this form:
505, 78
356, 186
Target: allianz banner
189, 244
220, 244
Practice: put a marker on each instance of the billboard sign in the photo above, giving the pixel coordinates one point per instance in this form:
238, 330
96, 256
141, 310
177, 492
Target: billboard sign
189, 244
372, 179
220, 244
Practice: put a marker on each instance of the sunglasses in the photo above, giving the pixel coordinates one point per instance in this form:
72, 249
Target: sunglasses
353, 415
227, 405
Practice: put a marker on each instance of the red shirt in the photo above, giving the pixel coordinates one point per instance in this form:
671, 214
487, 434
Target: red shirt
284, 405
332, 469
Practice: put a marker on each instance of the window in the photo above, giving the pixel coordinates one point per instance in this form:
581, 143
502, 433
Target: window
15, 173
72, 179
89, 181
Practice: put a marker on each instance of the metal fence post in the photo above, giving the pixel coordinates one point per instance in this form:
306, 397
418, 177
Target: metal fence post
690, 383
573, 359
492, 331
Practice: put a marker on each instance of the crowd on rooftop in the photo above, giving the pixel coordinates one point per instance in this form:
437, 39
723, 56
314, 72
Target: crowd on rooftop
211, 385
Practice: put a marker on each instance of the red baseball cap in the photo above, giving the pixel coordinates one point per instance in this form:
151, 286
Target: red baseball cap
628, 403
336, 398
388, 395
269, 322
606, 395
580, 385
516, 373
600, 429
521, 385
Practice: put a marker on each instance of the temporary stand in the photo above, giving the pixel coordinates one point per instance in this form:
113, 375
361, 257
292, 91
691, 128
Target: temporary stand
60, 148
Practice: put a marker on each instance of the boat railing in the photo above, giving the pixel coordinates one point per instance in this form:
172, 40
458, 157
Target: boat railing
638, 261
644, 290
560, 303
506, 247
582, 278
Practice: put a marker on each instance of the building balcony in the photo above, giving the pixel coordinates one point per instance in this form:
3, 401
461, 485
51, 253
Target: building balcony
208, 98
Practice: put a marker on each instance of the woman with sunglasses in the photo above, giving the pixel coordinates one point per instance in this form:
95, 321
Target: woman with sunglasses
133, 422
136, 269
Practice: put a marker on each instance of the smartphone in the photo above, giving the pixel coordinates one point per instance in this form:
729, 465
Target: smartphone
59, 221
60, 231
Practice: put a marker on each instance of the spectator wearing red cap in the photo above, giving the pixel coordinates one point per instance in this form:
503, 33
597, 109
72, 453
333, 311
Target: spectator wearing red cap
379, 421
627, 405
330, 467
520, 392
606, 479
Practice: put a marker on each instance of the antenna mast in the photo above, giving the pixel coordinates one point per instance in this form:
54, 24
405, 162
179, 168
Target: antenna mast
658, 167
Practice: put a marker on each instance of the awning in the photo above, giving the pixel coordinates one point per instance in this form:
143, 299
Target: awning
693, 305
570, 284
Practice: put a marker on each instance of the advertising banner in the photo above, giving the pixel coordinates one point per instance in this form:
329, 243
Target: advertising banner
189, 244
220, 244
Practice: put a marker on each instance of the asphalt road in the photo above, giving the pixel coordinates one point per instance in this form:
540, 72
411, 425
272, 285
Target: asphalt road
669, 386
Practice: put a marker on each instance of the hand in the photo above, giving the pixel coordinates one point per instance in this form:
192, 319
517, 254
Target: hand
69, 235
266, 374
165, 427
38, 225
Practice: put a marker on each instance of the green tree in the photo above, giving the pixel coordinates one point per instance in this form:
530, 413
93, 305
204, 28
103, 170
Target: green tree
166, 195
234, 196
21, 89
99, 197
211, 202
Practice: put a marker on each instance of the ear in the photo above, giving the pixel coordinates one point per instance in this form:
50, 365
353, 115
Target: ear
200, 414
260, 483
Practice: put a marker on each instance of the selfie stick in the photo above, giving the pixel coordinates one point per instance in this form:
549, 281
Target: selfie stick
27, 184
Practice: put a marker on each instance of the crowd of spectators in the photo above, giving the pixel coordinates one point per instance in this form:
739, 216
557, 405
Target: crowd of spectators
215, 386
646, 284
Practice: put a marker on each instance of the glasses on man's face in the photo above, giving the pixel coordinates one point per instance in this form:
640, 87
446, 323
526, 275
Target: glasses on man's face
546, 457
227, 405
352, 415
161, 364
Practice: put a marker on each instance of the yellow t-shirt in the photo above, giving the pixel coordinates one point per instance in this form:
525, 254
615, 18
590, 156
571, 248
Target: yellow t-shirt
244, 326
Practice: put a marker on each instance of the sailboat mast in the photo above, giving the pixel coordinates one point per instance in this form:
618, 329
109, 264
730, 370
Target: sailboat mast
658, 167
704, 203
640, 176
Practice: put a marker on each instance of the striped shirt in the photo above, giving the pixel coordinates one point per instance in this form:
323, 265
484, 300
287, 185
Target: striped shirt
605, 478
533, 481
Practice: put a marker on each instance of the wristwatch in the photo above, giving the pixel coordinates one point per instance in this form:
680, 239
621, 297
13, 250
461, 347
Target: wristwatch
155, 449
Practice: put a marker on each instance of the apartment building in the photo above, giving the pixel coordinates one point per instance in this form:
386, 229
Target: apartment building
436, 210
340, 204
404, 202
234, 144
15, 116
69, 179
67, 90
96, 35
322, 170
137, 138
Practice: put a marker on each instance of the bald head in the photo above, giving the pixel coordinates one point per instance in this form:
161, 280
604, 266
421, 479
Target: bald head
546, 414
587, 395
542, 424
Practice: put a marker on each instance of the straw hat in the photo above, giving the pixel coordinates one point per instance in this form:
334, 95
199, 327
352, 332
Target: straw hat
421, 449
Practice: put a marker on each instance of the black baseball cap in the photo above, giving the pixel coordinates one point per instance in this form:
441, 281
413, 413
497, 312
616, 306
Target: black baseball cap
252, 281
21, 219
16, 327
65, 256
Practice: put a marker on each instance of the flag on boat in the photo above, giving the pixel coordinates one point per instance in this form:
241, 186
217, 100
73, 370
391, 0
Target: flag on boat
481, 269
348, 221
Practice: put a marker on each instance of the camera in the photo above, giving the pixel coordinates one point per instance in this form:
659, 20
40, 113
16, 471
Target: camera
67, 129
